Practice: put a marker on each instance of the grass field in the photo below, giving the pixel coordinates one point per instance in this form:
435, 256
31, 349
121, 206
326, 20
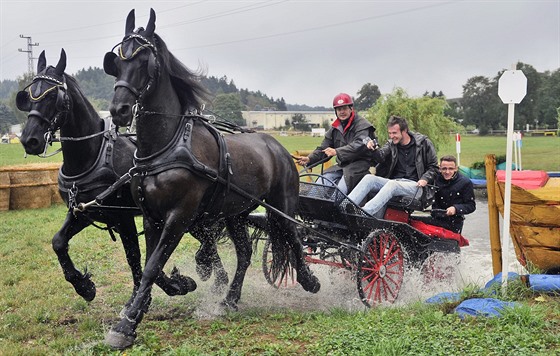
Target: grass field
538, 153
40, 314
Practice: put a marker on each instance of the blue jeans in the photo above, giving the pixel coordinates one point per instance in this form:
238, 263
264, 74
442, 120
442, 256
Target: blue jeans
334, 177
385, 189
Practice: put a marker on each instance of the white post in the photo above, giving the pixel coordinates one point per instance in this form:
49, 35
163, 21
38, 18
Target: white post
515, 149
519, 144
507, 200
512, 88
458, 148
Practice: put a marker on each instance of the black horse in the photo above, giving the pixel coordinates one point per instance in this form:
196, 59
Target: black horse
94, 158
187, 172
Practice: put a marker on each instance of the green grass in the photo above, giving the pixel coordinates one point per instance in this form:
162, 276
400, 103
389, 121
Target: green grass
537, 153
41, 314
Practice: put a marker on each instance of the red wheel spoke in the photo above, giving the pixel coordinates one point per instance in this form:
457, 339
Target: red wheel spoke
381, 268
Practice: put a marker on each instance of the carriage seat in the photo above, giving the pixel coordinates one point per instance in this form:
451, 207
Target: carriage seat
416, 203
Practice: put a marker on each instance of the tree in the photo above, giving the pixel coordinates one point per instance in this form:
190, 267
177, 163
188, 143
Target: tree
7, 118
97, 86
300, 122
23, 81
548, 100
481, 103
228, 106
424, 115
367, 96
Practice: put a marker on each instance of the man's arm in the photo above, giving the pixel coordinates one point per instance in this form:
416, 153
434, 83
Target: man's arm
468, 204
318, 153
430, 163
355, 149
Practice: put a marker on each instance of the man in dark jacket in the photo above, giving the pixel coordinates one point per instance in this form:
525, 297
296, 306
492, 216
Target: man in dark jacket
345, 140
454, 197
406, 163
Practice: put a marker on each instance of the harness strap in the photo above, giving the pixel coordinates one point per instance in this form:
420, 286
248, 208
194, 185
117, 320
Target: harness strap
178, 154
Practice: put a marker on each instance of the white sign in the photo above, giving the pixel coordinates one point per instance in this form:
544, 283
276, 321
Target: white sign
512, 86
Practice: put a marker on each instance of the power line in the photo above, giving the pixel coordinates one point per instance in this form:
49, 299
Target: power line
353, 21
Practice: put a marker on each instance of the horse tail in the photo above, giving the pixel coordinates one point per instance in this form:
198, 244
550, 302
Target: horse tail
284, 255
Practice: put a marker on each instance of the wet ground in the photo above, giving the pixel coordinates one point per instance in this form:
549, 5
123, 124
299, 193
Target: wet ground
476, 266
338, 287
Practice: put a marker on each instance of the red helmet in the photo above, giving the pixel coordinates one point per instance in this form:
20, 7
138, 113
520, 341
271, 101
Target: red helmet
342, 99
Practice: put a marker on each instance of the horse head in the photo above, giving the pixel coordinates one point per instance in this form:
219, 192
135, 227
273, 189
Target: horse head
135, 67
47, 102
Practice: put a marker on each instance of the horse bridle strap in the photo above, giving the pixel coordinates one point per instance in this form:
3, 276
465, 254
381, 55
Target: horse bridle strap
144, 44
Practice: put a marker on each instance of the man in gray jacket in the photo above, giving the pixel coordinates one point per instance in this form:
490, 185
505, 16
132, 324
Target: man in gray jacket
345, 140
406, 163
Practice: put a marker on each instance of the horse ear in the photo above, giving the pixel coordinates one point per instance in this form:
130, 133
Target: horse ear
61, 66
150, 28
42, 62
129, 27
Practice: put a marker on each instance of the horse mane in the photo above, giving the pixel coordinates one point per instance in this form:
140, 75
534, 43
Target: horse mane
78, 96
186, 83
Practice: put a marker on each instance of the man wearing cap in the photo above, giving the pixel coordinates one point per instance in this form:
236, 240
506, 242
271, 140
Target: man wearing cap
345, 140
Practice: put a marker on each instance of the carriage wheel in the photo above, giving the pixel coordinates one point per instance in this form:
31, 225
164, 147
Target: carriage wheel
282, 277
380, 269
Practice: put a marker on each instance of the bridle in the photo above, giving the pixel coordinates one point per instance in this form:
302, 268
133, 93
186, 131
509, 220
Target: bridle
153, 69
25, 98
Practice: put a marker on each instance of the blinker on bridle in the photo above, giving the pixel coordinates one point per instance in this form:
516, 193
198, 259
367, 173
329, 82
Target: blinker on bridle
153, 69
62, 106
25, 98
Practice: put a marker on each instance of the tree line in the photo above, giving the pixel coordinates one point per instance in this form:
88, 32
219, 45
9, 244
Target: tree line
479, 107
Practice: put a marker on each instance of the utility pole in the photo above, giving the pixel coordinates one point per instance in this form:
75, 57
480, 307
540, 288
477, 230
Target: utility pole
29, 51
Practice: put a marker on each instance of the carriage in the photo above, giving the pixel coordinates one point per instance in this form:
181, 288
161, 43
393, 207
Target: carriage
337, 233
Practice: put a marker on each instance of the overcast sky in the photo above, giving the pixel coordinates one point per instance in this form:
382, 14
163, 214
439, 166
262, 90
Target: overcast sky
303, 51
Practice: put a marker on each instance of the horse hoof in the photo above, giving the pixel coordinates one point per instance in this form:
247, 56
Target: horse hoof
229, 305
181, 284
119, 341
310, 284
86, 289
203, 271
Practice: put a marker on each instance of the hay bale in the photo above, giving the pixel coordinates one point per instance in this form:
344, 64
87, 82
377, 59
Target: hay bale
56, 198
30, 190
4, 191
31, 186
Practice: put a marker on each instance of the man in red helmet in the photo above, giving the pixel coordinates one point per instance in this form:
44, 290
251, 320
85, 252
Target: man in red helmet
345, 140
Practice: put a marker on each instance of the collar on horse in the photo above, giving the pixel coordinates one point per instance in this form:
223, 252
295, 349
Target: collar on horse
178, 154
100, 174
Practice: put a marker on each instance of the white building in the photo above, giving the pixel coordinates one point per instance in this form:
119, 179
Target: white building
270, 120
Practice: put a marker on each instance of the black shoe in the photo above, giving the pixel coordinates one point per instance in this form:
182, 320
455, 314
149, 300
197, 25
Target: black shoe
351, 209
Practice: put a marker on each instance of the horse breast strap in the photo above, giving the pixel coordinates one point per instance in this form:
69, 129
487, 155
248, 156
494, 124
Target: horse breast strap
100, 174
178, 154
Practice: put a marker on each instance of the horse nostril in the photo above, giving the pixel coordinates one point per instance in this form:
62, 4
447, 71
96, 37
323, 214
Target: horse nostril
31, 145
123, 110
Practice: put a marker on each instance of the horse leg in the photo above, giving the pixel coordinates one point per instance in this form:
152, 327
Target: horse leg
160, 244
207, 257
126, 228
82, 283
237, 227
